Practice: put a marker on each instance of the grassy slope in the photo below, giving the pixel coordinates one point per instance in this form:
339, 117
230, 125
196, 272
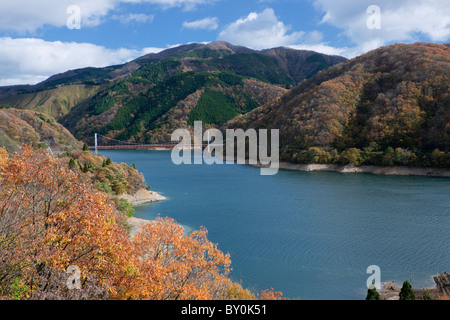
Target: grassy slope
55, 102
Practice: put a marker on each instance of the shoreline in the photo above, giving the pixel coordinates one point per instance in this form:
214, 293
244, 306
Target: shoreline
372, 169
136, 224
379, 170
143, 196
391, 290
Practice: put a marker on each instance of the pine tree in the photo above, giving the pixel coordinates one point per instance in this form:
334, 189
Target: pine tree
85, 147
372, 294
407, 293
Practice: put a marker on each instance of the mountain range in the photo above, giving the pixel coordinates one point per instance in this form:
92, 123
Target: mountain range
388, 106
146, 99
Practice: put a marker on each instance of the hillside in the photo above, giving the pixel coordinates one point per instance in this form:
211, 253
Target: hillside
390, 106
148, 98
54, 102
302, 64
40, 131
37, 129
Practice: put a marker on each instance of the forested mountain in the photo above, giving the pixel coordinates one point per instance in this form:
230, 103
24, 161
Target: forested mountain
37, 129
389, 106
145, 100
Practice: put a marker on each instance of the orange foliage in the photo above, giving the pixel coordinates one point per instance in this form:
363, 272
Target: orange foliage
50, 219
176, 266
3, 158
271, 295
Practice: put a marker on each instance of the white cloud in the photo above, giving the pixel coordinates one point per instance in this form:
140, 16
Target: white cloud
209, 23
30, 60
401, 20
260, 31
27, 16
322, 48
264, 30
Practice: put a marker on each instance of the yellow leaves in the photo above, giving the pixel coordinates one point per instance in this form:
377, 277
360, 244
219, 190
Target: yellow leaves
131, 271
3, 158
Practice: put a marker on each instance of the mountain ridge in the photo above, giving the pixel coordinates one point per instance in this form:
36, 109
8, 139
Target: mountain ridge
389, 106
129, 101
135, 64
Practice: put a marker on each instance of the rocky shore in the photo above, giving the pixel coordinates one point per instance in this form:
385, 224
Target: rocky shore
136, 224
391, 291
143, 196
400, 171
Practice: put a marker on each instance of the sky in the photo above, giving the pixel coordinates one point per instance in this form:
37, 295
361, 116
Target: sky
42, 38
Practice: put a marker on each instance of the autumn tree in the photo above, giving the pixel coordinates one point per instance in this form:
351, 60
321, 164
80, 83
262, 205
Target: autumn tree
175, 266
270, 294
49, 217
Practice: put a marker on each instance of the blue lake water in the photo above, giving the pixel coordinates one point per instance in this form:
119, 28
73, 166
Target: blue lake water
309, 235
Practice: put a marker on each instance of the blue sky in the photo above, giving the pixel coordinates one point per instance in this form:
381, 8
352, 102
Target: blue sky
35, 41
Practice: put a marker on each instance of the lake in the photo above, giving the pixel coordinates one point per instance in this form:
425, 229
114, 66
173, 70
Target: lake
310, 235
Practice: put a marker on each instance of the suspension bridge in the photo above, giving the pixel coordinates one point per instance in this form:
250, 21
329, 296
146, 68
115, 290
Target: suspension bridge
106, 143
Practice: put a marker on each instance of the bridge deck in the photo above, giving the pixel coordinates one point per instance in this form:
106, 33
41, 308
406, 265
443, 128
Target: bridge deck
146, 147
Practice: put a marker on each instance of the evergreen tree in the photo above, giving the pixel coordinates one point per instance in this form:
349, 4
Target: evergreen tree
407, 293
85, 147
72, 164
372, 294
